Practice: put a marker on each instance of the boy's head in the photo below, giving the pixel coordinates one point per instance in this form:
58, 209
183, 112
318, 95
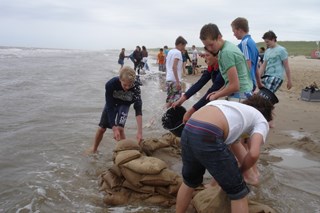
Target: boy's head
161, 50
127, 77
211, 37
181, 43
270, 38
261, 104
210, 58
240, 27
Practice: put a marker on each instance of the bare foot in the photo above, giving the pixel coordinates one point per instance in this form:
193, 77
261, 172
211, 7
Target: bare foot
89, 151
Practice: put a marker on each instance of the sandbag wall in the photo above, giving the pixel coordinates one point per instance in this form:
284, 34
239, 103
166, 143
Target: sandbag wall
138, 178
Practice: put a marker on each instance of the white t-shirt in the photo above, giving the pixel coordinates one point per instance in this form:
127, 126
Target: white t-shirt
243, 120
173, 54
195, 54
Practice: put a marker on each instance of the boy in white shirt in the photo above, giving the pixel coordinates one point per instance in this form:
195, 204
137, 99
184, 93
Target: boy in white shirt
205, 140
174, 71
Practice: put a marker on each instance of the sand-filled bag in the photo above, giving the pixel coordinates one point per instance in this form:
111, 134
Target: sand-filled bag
146, 165
212, 200
126, 144
126, 156
165, 178
112, 180
152, 144
142, 189
132, 177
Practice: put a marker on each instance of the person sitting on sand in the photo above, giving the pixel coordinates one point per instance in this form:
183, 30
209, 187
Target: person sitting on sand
121, 92
204, 144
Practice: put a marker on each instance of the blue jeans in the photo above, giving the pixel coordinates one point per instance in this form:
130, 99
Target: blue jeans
203, 148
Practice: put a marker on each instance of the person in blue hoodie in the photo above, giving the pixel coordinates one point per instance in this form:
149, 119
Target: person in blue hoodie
120, 93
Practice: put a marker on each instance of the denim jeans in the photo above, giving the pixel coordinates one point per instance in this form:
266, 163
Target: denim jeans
203, 149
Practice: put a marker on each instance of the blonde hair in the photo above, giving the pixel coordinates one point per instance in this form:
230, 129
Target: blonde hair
127, 74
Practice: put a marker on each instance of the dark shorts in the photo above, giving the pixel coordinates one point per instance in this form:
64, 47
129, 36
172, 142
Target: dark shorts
121, 61
121, 117
203, 148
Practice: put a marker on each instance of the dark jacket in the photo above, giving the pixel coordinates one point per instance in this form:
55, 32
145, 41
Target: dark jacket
115, 95
217, 82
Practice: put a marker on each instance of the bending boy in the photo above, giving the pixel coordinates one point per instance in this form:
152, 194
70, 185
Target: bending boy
121, 92
205, 140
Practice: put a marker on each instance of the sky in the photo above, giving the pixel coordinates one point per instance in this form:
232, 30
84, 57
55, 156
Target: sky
113, 24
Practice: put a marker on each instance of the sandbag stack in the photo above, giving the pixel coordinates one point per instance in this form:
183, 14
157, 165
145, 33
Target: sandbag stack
137, 178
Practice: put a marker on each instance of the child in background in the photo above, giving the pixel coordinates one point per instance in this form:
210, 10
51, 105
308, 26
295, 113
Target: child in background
161, 60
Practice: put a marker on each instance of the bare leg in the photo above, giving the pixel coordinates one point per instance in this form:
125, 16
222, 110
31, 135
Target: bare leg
183, 198
122, 135
98, 138
240, 206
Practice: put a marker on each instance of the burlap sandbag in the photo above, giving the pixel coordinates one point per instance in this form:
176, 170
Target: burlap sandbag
255, 207
116, 198
132, 177
126, 156
146, 165
174, 188
142, 189
212, 200
104, 186
112, 180
169, 137
164, 178
152, 144
164, 190
114, 169
160, 200
126, 144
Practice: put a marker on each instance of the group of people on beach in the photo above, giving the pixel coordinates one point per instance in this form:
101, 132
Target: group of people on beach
222, 136
139, 57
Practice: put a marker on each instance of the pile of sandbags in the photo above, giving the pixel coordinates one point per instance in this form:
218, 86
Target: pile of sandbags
137, 178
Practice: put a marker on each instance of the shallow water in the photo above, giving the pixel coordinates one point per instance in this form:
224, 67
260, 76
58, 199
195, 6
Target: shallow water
50, 104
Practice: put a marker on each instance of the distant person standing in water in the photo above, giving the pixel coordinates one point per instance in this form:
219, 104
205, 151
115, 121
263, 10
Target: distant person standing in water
121, 57
161, 60
120, 93
144, 53
137, 58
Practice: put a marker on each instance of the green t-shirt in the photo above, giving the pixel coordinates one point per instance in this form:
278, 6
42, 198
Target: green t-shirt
230, 56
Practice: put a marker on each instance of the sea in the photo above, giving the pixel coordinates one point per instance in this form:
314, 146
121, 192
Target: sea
50, 105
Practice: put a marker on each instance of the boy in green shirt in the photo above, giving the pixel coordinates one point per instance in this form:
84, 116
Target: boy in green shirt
232, 63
